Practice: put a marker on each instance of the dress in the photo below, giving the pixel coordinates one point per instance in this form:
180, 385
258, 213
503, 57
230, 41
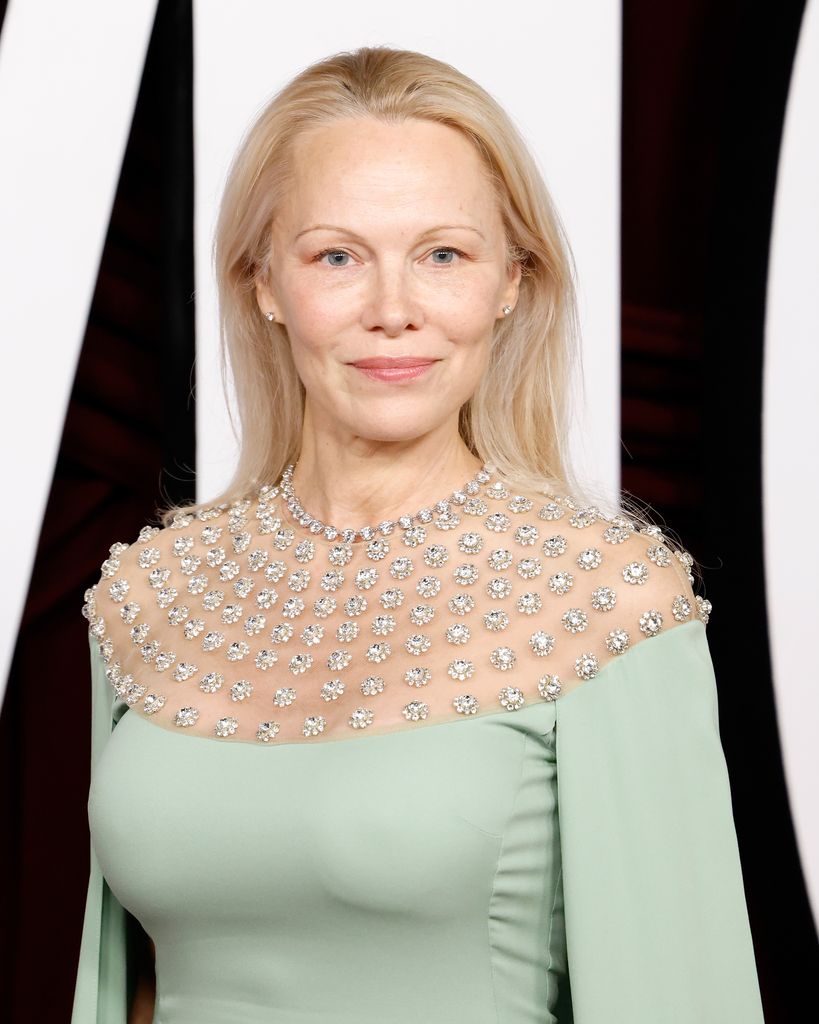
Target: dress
468, 771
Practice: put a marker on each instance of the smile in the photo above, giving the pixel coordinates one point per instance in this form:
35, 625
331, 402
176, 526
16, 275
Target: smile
390, 373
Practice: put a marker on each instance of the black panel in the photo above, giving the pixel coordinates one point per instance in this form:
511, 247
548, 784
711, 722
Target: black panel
128, 441
704, 93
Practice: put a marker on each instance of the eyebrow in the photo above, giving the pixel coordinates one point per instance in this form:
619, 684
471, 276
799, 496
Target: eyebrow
352, 234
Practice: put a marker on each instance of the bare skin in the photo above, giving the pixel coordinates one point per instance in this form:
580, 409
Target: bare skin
417, 267
142, 1008
144, 1002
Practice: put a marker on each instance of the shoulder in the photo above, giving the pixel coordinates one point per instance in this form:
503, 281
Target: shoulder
611, 579
149, 571
621, 548
121, 578
649, 569
144, 572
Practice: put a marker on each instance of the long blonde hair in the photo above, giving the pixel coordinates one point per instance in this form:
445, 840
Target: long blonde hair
518, 418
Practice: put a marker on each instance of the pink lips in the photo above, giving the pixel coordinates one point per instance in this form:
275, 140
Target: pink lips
399, 368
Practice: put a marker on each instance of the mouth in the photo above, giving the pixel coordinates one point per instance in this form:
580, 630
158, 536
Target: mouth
402, 368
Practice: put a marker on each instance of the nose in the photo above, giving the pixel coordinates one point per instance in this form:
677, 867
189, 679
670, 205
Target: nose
392, 303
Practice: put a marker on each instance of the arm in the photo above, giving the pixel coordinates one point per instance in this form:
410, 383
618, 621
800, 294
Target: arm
656, 922
144, 1001
103, 969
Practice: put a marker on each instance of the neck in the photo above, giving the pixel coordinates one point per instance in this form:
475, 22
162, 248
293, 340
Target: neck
355, 488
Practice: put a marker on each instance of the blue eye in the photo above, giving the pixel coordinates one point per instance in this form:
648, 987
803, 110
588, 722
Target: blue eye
448, 249
333, 252
340, 252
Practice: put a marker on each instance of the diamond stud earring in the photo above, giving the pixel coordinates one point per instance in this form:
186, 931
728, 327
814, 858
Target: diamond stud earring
270, 316
507, 310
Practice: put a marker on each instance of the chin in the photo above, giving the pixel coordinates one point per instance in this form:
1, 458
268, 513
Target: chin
389, 428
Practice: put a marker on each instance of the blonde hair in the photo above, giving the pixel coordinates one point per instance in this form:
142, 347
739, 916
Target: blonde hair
518, 419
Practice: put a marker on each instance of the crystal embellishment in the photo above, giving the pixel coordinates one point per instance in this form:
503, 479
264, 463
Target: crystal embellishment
203, 625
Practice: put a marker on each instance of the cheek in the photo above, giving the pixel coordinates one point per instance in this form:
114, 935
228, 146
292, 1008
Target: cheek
314, 328
315, 314
314, 361
467, 311
469, 331
466, 366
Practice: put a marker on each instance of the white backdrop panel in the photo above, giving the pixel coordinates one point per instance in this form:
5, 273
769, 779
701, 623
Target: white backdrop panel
69, 78
790, 443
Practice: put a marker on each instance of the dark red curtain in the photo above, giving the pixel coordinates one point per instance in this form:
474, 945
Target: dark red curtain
705, 88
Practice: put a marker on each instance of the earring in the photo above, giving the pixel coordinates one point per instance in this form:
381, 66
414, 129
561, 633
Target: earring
507, 310
270, 316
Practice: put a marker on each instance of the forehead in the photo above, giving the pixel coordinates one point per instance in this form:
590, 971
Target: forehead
366, 168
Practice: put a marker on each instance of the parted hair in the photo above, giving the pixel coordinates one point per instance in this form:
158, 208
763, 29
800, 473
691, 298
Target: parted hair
518, 419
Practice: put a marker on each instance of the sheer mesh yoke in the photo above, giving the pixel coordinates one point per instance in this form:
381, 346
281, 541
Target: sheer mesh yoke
241, 625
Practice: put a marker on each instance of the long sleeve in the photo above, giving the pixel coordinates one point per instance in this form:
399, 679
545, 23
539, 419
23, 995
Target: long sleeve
656, 922
102, 989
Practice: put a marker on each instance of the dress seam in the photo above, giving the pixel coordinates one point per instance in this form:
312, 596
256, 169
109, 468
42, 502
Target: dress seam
501, 846
549, 936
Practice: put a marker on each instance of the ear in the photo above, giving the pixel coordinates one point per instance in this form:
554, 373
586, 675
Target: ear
510, 295
264, 297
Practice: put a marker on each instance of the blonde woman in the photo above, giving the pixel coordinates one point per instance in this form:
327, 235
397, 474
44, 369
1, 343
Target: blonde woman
407, 724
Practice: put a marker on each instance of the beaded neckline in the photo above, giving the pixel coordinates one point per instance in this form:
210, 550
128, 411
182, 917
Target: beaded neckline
231, 607
440, 510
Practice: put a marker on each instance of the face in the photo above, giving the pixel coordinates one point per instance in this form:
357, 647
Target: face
390, 245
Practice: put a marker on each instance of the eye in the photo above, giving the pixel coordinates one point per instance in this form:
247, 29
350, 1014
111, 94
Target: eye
340, 252
446, 249
331, 252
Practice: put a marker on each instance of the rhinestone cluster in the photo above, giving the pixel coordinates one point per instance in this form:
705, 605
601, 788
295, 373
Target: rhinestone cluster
486, 585
442, 513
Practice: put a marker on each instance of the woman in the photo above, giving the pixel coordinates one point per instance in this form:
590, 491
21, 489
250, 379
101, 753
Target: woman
531, 820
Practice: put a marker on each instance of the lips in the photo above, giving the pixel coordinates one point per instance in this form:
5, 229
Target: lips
397, 363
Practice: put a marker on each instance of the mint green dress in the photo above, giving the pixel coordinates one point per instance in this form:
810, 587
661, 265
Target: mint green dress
573, 861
